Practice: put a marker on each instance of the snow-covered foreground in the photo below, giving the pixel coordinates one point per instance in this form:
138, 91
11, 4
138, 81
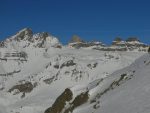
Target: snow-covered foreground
35, 70
124, 91
54, 71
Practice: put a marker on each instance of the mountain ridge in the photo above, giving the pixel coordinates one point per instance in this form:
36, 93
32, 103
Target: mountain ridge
38, 74
44, 40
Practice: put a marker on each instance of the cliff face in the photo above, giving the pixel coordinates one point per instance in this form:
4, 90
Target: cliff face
75, 39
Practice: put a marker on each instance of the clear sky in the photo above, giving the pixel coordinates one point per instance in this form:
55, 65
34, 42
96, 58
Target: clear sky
100, 20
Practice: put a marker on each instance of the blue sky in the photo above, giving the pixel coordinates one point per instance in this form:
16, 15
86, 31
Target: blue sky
100, 20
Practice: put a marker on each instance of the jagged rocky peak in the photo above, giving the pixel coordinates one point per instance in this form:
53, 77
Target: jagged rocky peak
24, 34
117, 40
25, 38
27, 34
76, 39
133, 39
131, 44
130, 40
77, 43
86, 44
44, 39
40, 36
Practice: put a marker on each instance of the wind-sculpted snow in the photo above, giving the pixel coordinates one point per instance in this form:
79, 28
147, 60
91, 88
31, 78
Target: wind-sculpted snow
35, 70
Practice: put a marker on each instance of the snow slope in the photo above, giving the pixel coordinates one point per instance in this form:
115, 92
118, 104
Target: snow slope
125, 91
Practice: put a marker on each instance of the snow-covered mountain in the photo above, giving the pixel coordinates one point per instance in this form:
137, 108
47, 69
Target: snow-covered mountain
131, 44
38, 74
125, 91
26, 38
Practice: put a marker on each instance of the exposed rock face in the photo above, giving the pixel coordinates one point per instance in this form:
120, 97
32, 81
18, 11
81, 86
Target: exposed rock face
149, 50
17, 55
24, 34
26, 87
45, 40
79, 100
77, 43
68, 63
23, 88
75, 39
66, 97
60, 102
2, 44
111, 49
41, 36
86, 44
116, 40
132, 39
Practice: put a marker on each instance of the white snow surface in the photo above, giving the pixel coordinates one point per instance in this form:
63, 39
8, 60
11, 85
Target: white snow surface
131, 96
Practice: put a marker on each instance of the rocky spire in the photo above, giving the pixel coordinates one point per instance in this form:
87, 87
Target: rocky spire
76, 38
116, 40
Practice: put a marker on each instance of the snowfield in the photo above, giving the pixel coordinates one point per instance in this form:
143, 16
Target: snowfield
36, 71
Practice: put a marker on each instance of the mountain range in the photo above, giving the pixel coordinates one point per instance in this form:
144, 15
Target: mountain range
38, 74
